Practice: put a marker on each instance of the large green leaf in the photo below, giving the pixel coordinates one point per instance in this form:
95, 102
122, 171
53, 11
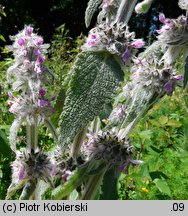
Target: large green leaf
96, 77
185, 76
162, 186
90, 10
109, 187
4, 145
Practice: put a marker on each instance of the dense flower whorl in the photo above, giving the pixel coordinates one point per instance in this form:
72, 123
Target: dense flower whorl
26, 107
109, 149
174, 31
29, 53
174, 37
152, 74
114, 38
117, 115
65, 164
32, 165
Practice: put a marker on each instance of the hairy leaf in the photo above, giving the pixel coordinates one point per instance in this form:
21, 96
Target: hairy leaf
90, 10
185, 76
109, 186
4, 145
95, 79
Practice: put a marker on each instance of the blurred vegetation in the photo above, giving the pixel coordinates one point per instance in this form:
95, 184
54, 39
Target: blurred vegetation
160, 140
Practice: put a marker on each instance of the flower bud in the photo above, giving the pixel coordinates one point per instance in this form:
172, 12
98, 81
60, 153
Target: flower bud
29, 31
143, 7
38, 41
21, 41
139, 43
162, 18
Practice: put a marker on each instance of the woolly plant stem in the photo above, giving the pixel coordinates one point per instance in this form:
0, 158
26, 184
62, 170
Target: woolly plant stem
92, 186
32, 134
77, 143
51, 128
130, 121
125, 11
28, 190
96, 125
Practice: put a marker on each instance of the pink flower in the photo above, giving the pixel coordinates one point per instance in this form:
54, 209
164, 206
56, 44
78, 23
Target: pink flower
14, 107
66, 175
21, 41
179, 77
29, 31
162, 18
168, 22
91, 43
93, 36
139, 43
54, 171
10, 95
182, 21
21, 174
40, 59
42, 103
39, 41
120, 111
38, 69
164, 29
42, 92
37, 51
126, 55
23, 52
106, 4
27, 64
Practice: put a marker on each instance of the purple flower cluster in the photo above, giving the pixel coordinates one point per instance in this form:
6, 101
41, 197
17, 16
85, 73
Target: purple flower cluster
169, 87
105, 4
29, 71
25, 107
32, 165
167, 24
171, 24
114, 38
154, 75
28, 49
108, 148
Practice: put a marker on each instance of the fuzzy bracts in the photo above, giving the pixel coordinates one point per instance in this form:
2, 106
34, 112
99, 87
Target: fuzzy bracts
114, 38
29, 53
152, 74
107, 148
32, 104
32, 165
174, 37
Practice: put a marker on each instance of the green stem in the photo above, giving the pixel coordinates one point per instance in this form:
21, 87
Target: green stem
32, 134
51, 128
92, 186
77, 143
125, 11
137, 109
96, 125
109, 189
28, 190
75, 181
